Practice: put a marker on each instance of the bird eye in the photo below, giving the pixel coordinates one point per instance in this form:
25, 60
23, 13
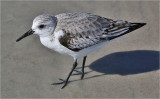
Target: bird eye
41, 26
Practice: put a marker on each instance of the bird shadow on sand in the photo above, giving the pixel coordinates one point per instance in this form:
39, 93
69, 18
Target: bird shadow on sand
125, 63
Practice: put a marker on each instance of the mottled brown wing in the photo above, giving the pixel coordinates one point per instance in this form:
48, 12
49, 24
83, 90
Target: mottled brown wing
81, 29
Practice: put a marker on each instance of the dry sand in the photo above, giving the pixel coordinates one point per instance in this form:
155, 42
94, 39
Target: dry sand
124, 68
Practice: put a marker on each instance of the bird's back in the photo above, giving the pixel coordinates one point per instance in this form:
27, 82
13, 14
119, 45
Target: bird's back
83, 30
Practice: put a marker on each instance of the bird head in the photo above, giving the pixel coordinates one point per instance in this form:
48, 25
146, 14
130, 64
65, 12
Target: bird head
43, 25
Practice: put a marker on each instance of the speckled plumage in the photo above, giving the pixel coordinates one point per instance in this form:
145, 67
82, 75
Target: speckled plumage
83, 30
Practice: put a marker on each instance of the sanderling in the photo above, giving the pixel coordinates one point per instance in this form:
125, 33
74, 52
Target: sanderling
77, 34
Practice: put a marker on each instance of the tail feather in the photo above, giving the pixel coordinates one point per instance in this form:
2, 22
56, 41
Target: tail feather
124, 30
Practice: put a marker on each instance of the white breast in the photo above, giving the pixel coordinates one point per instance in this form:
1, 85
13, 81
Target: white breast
52, 42
55, 45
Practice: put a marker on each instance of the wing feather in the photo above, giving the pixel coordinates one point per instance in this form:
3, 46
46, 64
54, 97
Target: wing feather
83, 30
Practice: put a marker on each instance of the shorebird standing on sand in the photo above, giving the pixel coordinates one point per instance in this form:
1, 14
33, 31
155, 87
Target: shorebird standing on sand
77, 34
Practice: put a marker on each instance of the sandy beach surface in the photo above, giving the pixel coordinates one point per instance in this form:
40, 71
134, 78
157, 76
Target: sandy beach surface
124, 68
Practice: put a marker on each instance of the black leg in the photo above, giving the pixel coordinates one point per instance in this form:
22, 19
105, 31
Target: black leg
74, 66
84, 60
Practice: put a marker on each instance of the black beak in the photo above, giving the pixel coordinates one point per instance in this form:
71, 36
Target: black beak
25, 35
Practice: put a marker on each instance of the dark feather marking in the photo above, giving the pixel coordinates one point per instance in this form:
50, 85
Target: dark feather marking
131, 28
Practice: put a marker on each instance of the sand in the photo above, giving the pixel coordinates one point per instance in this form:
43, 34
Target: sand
124, 68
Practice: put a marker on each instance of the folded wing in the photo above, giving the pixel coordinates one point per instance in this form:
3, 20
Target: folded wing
83, 30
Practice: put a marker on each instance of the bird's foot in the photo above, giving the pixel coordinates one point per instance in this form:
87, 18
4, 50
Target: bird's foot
82, 76
61, 82
81, 73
